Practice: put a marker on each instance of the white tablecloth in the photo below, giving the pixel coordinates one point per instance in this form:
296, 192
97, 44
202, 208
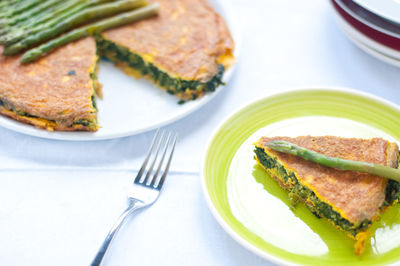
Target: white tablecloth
59, 199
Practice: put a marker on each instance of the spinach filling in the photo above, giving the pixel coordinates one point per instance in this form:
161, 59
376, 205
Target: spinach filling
83, 122
392, 192
12, 108
173, 85
22, 113
93, 98
300, 192
95, 83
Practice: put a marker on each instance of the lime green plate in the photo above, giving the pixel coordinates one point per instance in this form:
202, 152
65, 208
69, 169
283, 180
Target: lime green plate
256, 212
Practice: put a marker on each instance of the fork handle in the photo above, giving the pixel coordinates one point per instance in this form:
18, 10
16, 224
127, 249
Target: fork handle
103, 249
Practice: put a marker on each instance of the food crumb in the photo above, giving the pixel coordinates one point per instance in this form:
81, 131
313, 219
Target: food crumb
71, 73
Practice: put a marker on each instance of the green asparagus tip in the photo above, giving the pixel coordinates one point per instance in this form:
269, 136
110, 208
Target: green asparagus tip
280, 145
30, 56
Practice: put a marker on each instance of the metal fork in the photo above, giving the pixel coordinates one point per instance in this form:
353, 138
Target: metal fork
145, 189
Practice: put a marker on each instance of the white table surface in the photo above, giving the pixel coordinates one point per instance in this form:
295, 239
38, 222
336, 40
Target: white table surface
59, 199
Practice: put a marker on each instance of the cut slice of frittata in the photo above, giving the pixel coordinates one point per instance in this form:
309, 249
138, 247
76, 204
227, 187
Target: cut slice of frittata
55, 93
349, 200
184, 50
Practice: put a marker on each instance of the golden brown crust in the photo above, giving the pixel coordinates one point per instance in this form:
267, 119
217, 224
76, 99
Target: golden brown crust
39, 123
45, 89
356, 195
42, 123
186, 39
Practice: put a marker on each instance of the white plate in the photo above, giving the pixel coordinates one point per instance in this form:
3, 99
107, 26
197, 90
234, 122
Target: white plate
388, 9
133, 106
370, 46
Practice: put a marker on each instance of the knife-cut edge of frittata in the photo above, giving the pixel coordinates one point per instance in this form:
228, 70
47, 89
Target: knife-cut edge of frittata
136, 65
298, 191
9, 110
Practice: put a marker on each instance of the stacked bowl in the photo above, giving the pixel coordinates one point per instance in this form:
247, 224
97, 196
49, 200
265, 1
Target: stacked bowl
373, 25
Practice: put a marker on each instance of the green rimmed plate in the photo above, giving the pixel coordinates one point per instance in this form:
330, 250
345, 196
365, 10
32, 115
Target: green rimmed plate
255, 211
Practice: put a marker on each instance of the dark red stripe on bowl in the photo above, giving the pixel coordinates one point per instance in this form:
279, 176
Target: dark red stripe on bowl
375, 35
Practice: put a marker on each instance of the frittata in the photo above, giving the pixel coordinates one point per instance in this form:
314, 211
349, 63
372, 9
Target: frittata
55, 93
185, 49
349, 200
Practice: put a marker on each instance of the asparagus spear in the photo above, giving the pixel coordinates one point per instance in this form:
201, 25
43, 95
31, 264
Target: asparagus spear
31, 12
29, 24
10, 2
77, 19
333, 162
46, 14
49, 20
62, 11
5, 4
3, 31
91, 29
25, 5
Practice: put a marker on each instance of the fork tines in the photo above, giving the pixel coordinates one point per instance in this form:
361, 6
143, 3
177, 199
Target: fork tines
166, 142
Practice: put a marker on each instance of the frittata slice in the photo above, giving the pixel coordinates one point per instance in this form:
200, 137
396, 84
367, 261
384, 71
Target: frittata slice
55, 93
185, 49
349, 200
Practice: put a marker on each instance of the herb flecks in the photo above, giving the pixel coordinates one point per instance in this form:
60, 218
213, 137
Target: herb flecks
71, 73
